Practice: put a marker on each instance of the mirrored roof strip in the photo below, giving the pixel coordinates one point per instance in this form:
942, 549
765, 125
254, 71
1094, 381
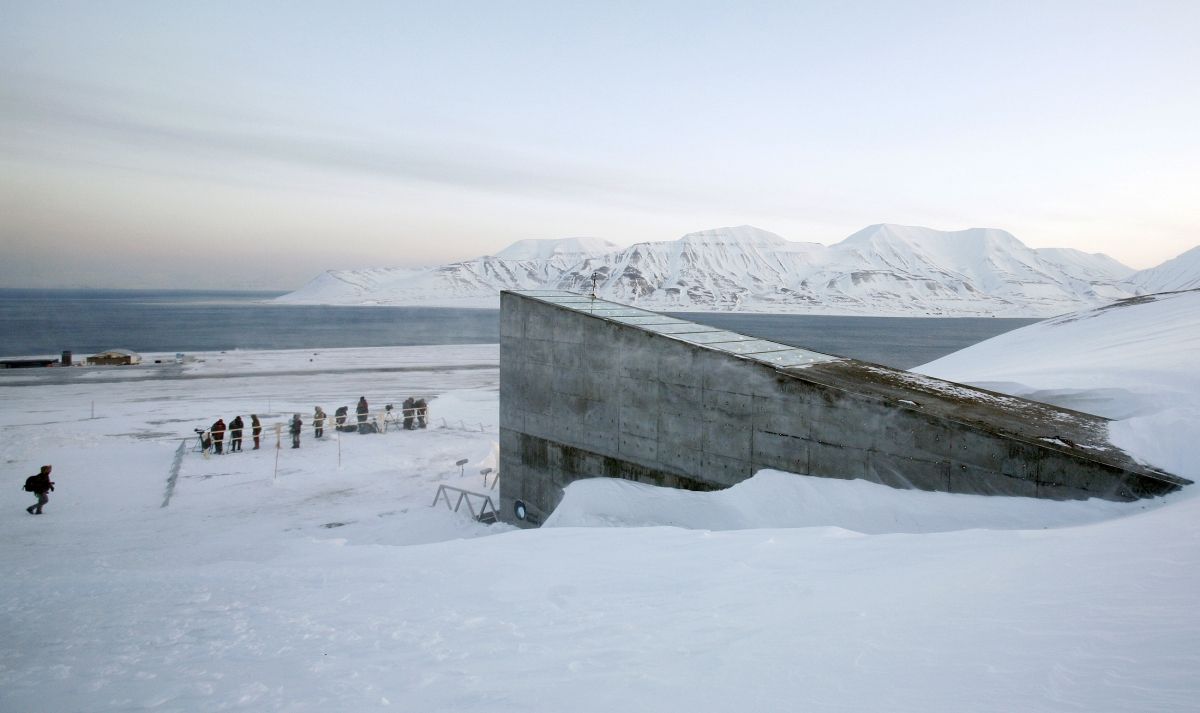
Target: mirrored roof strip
773, 353
793, 357
753, 346
714, 337
648, 320
678, 329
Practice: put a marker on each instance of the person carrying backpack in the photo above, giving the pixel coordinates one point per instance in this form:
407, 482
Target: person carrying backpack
39, 485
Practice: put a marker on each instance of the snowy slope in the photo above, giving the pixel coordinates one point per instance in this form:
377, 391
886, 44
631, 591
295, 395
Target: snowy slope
1135, 360
526, 264
883, 269
575, 249
1179, 273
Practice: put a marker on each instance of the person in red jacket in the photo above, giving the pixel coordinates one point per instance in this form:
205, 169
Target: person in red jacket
39, 485
218, 436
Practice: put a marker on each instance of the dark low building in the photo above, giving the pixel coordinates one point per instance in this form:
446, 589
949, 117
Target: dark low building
26, 363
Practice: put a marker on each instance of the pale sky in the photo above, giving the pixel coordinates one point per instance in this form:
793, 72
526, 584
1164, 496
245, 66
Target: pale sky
255, 144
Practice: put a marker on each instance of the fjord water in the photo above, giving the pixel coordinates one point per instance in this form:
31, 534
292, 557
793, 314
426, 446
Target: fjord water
46, 322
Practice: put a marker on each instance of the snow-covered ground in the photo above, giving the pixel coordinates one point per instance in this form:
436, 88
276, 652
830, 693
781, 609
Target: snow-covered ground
327, 585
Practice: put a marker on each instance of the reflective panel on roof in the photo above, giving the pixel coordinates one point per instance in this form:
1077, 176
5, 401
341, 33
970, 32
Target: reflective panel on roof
761, 350
793, 357
613, 313
713, 337
542, 294
751, 346
678, 329
650, 319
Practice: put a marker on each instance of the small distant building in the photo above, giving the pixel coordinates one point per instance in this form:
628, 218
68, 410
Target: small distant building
115, 357
25, 363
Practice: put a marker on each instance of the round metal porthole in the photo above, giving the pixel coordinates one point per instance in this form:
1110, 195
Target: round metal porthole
519, 509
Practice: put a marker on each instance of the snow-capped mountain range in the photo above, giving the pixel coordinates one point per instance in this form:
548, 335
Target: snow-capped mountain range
882, 269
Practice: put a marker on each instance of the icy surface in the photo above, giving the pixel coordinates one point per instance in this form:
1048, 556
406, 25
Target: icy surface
335, 587
883, 269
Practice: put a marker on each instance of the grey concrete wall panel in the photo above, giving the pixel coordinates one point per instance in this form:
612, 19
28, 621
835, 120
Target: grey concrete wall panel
589, 388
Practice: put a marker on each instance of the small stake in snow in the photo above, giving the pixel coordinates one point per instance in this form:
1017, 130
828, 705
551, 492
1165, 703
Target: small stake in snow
484, 473
278, 445
461, 470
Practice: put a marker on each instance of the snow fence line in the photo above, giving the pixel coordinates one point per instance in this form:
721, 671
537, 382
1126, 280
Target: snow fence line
174, 476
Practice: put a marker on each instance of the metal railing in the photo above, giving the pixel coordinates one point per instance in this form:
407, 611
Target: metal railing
487, 509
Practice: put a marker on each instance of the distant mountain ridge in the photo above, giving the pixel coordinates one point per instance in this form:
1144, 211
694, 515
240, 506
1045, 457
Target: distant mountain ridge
882, 269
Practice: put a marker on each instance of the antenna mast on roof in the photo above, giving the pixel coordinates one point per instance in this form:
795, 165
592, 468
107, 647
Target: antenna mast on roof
595, 276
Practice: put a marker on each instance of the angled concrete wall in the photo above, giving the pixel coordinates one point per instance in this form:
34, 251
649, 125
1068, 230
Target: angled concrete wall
591, 388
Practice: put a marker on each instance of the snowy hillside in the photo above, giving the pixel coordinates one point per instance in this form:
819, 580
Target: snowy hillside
1180, 273
526, 264
1134, 361
882, 269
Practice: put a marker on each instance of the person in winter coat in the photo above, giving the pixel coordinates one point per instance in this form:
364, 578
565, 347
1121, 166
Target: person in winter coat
296, 427
422, 412
410, 412
362, 410
255, 429
39, 485
339, 416
218, 435
235, 434
318, 422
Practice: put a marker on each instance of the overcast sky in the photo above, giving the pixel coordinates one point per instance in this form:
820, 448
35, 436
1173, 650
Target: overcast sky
255, 144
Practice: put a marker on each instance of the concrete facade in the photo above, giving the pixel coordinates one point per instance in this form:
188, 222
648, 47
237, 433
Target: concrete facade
592, 388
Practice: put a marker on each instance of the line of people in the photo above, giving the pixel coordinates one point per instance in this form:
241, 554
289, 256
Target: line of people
214, 437
414, 414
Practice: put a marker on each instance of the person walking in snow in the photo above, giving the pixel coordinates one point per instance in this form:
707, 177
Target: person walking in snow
296, 427
218, 436
39, 485
318, 422
235, 434
255, 429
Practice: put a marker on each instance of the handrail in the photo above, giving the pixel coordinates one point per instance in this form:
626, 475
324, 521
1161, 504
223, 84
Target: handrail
487, 509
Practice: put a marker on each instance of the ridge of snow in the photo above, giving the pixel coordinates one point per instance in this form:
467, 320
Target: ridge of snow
534, 249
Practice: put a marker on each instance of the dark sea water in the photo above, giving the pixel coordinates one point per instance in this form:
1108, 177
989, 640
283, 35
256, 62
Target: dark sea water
36, 322
46, 322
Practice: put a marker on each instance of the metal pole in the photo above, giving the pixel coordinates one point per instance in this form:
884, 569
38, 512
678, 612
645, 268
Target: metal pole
278, 445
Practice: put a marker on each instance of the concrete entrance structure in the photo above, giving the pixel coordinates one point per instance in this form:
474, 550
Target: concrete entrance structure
592, 388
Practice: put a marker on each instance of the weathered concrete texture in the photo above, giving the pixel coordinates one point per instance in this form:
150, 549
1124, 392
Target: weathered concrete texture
591, 388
